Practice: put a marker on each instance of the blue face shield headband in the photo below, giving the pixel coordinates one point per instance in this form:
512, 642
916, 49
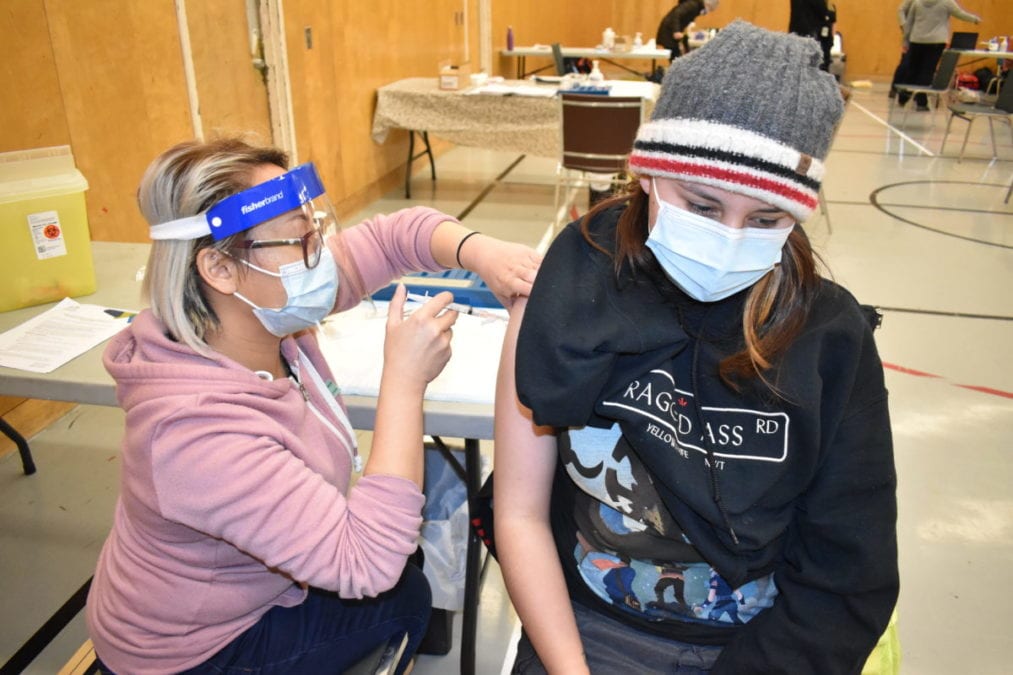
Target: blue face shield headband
246, 209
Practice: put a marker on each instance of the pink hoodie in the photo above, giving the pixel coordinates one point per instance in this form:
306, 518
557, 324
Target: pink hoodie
233, 492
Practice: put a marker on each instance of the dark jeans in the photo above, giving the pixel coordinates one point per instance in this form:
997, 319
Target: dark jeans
614, 647
923, 57
901, 74
326, 634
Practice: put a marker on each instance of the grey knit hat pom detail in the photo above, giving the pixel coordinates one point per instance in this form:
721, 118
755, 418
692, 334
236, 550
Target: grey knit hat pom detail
749, 112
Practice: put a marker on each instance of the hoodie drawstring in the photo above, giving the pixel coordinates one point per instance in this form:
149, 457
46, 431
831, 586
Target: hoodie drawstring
711, 460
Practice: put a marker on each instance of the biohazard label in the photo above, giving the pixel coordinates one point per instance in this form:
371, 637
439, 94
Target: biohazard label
47, 235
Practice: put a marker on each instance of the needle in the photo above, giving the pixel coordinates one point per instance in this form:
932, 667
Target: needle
458, 307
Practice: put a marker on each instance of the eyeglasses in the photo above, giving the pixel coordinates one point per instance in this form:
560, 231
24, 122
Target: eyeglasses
312, 245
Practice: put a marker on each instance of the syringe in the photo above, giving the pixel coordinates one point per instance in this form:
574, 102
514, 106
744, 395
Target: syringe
459, 307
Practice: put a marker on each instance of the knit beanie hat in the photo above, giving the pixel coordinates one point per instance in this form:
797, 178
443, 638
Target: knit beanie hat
749, 112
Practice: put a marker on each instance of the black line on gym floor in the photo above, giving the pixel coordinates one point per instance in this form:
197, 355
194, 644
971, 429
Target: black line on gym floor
875, 202
956, 315
47, 633
488, 188
948, 208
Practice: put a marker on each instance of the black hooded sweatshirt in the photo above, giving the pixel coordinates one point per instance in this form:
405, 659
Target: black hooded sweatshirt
806, 490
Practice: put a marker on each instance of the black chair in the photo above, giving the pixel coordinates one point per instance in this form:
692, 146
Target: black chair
964, 41
1002, 110
940, 85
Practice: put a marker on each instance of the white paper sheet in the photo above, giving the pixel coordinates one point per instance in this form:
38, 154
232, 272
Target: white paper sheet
512, 90
46, 342
352, 343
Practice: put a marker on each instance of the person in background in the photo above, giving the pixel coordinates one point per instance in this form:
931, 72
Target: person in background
926, 33
815, 19
901, 75
237, 544
672, 33
694, 465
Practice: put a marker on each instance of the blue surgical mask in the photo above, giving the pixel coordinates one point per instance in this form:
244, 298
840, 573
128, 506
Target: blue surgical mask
708, 260
311, 295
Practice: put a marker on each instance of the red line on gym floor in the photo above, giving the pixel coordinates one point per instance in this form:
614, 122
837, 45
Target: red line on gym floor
988, 390
908, 371
972, 387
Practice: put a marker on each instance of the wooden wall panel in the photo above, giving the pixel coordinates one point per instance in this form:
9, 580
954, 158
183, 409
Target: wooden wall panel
123, 88
536, 22
32, 113
358, 48
232, 94
314, 85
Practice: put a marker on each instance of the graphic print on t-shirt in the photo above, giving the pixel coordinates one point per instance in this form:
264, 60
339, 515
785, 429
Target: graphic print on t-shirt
631, 553
655, 406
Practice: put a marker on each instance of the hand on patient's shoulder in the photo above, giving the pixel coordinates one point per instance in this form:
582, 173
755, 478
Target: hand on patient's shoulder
508, 268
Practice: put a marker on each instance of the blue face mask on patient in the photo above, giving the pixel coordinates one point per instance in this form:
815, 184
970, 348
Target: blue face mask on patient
708, 260
311, 295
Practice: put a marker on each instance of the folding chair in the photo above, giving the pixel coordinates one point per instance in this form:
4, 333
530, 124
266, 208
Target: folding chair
963, 40
941, 83
597, 137
968, 112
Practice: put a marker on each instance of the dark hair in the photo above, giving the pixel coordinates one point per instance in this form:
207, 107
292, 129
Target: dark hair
776, 308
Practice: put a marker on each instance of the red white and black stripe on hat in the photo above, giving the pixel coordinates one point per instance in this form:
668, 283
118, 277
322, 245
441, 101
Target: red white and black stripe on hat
730, 158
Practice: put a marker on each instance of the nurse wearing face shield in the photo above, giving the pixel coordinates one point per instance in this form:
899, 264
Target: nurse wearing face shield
237, 541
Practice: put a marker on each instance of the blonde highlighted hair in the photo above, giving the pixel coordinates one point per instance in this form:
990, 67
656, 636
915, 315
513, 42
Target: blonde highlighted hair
186, 180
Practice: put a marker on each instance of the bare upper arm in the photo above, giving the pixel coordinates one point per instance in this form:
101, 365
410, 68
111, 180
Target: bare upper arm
525, 453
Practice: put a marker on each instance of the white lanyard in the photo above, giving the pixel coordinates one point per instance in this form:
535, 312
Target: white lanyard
332, 403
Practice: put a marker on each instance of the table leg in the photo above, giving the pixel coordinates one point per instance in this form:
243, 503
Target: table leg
471, 474
469, 630
429, 151
408, 166
27, 463
412, 157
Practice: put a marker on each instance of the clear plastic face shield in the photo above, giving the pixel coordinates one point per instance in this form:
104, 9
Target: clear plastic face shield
294, 196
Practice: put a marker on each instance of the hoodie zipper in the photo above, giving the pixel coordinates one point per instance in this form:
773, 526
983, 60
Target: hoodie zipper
351, 446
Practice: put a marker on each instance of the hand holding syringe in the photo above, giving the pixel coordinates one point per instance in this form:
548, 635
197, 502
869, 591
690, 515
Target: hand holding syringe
459, 307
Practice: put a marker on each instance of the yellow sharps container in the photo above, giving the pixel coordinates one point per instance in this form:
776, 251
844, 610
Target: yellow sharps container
44, 238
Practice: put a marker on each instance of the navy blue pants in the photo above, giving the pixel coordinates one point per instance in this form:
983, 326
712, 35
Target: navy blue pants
326, 634
614, 647
922, 61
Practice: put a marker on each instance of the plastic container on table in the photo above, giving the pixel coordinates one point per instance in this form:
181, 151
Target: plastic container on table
43, 228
